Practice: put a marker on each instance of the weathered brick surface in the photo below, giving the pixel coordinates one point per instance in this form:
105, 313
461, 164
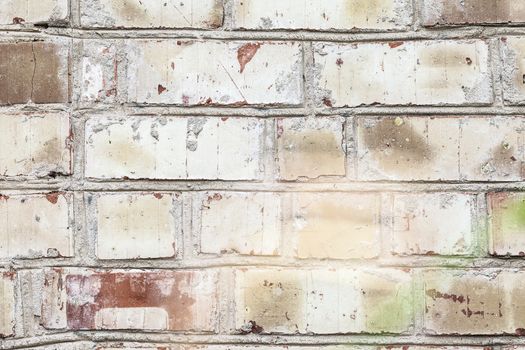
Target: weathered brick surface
443, 12
403, 73
443, 148
36, 225
324, 301
34, 11
33, 72
137, 226
242, 174
341, 15
244, 223
44, 150
7, 303
142, 300
174, 148
335, 225
152, 14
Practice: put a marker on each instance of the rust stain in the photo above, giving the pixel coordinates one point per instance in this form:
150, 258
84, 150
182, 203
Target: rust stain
215, 197
4, 197
166, 290
339, 62
327, 102
53, 197
394, 44
255, 328
224, 118
185, 99
161, 89
158, 195
246, 53
18, 20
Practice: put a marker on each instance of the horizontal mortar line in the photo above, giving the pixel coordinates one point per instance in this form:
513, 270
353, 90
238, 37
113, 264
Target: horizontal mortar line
271, 339
192, 186
239, 262
473, 32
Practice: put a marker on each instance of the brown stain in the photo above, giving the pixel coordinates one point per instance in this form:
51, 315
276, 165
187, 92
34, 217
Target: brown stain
339, 62
53, 197
18, 20
434, 294
274, 300
4, 197
49, 153
160, 89
503, 159
394, 44
214, 197
246, 53
130, 290
362, 11
158, 195
397, 148
327, 102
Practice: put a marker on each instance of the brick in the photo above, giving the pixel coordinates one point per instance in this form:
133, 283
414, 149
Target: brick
430, 224
311, 147
99, 75
33, 72
244, 223
474, 302
7, 303
202, 14
403, 73
340, 15
35, 145
324, 301
174, 148
507, 223
513, 69
444, 148
446, 12
34, 11
36, 225
214, 73
139, 300
137, 226
335, 225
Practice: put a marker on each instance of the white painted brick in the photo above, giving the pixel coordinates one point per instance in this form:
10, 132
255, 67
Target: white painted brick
404, 73
35, 145
246, 223
324, 301
34, 225
335, 225
33, 11
440, 223
513, 69
212, 72
340, 15
174, 148
7, 303
137, 226
310, 147
152, 14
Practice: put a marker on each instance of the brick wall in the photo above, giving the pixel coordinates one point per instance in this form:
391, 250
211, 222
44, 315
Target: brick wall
248, 174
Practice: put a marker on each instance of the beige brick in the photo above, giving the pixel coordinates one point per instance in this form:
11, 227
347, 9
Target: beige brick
412, 148
7, 303
34, 72
324, 301
137, 226
491, 149
437, 223
513, 69
36, 225
33, 11
404, 73
213, 72
441, 148
507, 223
202, 14
244, 223
474, 302
310, 147
340, 15
443, 12
336, 225
99, 73
174, 148
137, 300
35, 145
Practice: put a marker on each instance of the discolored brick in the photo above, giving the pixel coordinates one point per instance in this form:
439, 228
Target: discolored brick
507, 223
34, 11
7, 303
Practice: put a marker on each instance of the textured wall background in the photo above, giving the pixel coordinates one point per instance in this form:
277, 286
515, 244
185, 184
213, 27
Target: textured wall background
278, 174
